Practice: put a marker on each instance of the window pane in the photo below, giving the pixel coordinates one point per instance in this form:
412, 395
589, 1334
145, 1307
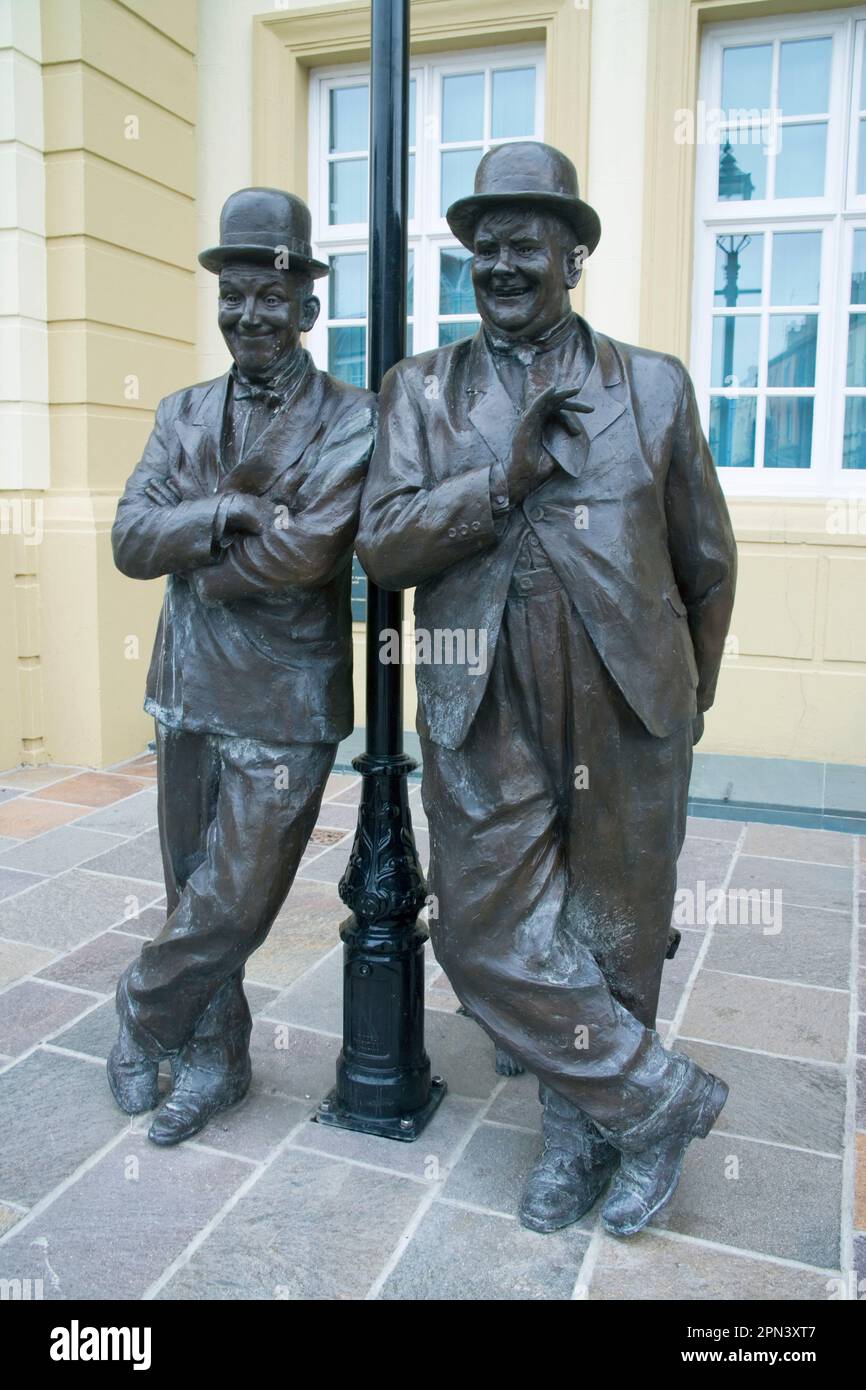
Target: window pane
796, 268
801, 160
456, 295
411, 177
858, 269
854, 443
350, 118
856, 375
463, 107
458, 175
347, 286
793, 340
788, 437
804, 77
410, 339
742, 168
413, 134
347, 358
453, 332
348, 191
739, 269
732, 431
746, 77
735, 350
863, 79
513, 102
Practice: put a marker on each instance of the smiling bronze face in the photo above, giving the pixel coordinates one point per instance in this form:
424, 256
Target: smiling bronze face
262, 314
523, 266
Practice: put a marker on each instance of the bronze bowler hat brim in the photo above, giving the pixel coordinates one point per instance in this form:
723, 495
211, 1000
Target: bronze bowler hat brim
531, 174
264, 226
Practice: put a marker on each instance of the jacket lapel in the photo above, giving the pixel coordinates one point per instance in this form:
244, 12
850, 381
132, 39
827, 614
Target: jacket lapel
283, 442
570, 437
492, 411
199, 434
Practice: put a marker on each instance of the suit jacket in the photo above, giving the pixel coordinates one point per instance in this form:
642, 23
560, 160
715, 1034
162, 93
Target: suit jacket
255, 638
651, 573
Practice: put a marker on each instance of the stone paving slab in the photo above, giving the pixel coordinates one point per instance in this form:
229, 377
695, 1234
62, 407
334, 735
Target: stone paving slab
31, 1011
59, 1112
140, 857
654, 1267
430, 1158
812, 946
769, 1016
151, 1202
797, 1103
303, 1231
95, 966
760, 1197
129, 816
17, 960
70, 909
13, 881
57, 850
457, 1254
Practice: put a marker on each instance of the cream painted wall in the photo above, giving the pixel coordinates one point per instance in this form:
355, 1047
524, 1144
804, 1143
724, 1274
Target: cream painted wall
615, 187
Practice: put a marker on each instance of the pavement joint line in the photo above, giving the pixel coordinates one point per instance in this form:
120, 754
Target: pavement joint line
221, 1153
508, 1124
417, 1178
772, 1144
474, 1207
303, 1027
183, 1258
405, 1239
70, 1180
16, 1206
59, 984
69, 1052
739, 1251
809, 863
680, 1011
48, 1038
774, 980
761, 1052
849, 1153
104, 873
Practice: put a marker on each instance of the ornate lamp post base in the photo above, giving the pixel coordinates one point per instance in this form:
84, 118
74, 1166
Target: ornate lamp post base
384, 1084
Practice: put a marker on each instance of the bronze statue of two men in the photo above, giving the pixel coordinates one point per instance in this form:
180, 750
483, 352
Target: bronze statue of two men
554, 492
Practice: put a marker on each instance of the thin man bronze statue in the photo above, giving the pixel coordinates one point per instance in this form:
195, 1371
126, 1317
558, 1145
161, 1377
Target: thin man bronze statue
552, 489
247, 498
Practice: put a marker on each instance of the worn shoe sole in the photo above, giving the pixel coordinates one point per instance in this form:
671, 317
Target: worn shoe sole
709, 1113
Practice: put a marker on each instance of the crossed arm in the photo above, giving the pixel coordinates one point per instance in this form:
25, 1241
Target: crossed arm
235, 545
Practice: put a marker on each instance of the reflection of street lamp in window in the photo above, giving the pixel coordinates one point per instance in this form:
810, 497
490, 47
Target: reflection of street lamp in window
734, 182
730, 247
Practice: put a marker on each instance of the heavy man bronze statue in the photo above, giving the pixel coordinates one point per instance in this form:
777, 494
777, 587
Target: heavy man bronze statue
552, 490
247, 498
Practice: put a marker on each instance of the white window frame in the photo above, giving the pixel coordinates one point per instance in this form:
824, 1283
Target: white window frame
429, 233
835, 214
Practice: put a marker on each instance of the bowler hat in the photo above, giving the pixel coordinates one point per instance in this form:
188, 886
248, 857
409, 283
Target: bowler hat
529, 173
264, 226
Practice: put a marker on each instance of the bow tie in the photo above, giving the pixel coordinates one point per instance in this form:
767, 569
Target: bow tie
250, 391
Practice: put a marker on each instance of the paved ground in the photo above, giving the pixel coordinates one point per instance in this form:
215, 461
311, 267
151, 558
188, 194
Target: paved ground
270, 1205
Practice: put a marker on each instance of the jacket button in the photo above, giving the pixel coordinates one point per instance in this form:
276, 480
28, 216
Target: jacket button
502, 501
476, 526
464, 530
534, 541
524, 585
537, 514
452, 532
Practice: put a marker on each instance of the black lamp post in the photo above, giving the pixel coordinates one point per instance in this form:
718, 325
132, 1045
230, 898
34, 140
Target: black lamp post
384, 1085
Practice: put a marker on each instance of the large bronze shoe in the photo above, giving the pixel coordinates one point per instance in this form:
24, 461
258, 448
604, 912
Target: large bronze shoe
647, 1179
197, 1095
575, 1166
132, 1070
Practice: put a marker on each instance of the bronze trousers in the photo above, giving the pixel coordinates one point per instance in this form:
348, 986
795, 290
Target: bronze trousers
234, 818
555, 830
